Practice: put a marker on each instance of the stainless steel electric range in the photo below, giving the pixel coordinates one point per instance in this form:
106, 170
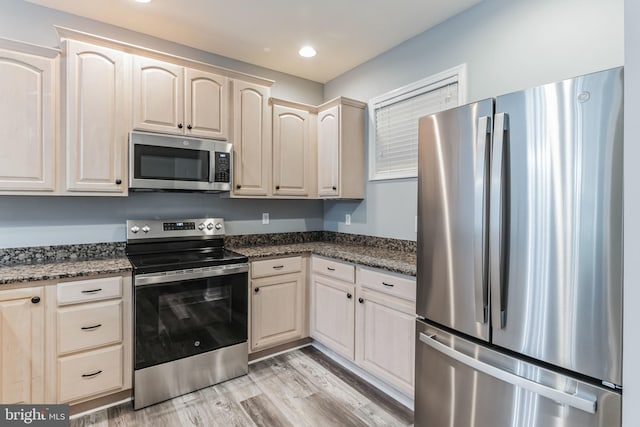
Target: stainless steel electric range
190, 307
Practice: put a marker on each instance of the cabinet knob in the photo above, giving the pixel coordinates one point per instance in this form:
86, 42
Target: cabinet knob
238, 186
349, 296
361, 300
334, 188
35, 300
256, 290
189, 127
277, 187
179, 125
118, 181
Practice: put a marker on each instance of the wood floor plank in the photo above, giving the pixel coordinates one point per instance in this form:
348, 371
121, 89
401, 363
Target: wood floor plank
375, 395
300, 388
264, 413
331, 412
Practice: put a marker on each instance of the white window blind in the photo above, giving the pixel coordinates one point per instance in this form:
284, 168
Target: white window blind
394, 152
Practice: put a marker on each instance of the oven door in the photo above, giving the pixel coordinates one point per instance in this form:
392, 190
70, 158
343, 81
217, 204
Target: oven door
182, 314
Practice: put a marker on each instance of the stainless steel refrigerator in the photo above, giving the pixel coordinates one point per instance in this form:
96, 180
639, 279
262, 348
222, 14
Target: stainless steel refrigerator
519, 275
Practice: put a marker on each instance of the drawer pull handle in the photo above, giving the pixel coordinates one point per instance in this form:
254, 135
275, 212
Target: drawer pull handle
278, 267
331, 269
92, 375
91, 291
90, 328
391, 285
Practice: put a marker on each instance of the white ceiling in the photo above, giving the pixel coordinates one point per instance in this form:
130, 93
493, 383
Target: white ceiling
269, 33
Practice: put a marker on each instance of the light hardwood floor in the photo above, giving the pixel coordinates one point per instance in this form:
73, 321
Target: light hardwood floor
300, 388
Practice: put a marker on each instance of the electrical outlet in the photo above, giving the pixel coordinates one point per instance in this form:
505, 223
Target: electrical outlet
347, 219
416, 224
265, 218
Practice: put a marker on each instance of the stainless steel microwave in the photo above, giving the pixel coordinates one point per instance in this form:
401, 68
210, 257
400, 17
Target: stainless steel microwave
167, 162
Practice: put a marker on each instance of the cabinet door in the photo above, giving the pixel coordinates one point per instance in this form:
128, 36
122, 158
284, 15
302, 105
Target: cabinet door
328, 152
291, 142
251, 140
27, 122
98, 86
21, 346
332, 314
158, 96
277, 308
206, 104
385, 339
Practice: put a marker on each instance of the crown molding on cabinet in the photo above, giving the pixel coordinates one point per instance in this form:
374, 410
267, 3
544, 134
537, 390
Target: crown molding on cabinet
68, 33
28, 48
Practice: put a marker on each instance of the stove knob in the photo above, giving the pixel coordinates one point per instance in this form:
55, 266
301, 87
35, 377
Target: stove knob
135, 229
201, 226
146, 229
218, 226
210, 226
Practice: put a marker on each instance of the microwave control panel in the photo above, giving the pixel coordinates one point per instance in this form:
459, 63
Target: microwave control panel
222, 167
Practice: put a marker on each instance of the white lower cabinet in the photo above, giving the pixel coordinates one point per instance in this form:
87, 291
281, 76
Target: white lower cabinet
385, 327
89, 333
278, 302
367, 316
22, 346
333, 308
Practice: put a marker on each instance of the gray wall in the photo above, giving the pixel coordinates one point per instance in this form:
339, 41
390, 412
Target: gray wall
507, 45
631, 352
34, 221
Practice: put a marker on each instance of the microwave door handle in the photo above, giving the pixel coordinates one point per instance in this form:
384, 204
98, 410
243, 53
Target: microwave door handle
212, 166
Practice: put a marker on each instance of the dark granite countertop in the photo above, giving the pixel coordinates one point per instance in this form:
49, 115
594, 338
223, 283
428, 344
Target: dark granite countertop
391, 260
24, 265
20, 273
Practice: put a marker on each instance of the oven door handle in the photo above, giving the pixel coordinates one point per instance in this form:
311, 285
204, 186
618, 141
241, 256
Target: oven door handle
190, 274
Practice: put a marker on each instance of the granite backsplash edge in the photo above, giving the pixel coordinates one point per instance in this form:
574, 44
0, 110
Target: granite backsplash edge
87, 251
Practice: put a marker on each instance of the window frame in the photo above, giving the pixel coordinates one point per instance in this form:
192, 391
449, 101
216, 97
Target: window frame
457, 74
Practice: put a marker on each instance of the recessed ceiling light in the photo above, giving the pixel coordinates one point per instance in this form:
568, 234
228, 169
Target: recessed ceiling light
143, 1
307, 52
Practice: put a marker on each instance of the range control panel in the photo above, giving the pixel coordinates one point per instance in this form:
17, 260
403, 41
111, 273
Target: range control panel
140, 229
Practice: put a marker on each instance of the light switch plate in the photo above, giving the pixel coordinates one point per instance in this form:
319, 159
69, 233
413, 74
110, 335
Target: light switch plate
347, 219
265, 218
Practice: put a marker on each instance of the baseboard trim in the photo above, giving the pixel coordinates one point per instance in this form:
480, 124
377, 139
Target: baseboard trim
280, 349
85, 408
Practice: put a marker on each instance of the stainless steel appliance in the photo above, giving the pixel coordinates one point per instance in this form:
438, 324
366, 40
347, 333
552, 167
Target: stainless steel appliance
166, 162
190, 307
519, 296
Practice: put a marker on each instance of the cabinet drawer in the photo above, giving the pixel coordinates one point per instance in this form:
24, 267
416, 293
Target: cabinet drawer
89, 290
272, 267
86, 326
335, 269
391, 284
89, 373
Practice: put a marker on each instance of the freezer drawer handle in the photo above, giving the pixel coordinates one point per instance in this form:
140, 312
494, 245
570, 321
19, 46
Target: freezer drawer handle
586, 404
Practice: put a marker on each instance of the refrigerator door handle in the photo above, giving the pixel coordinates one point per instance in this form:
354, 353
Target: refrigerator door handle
497, 220
583, 403
480, 220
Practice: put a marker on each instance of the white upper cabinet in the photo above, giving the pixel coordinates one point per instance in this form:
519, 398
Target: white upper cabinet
169, 98
251, 140
98, 118
158, 96
328, 155
27, 118
293, 151
206, 104
341, 172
